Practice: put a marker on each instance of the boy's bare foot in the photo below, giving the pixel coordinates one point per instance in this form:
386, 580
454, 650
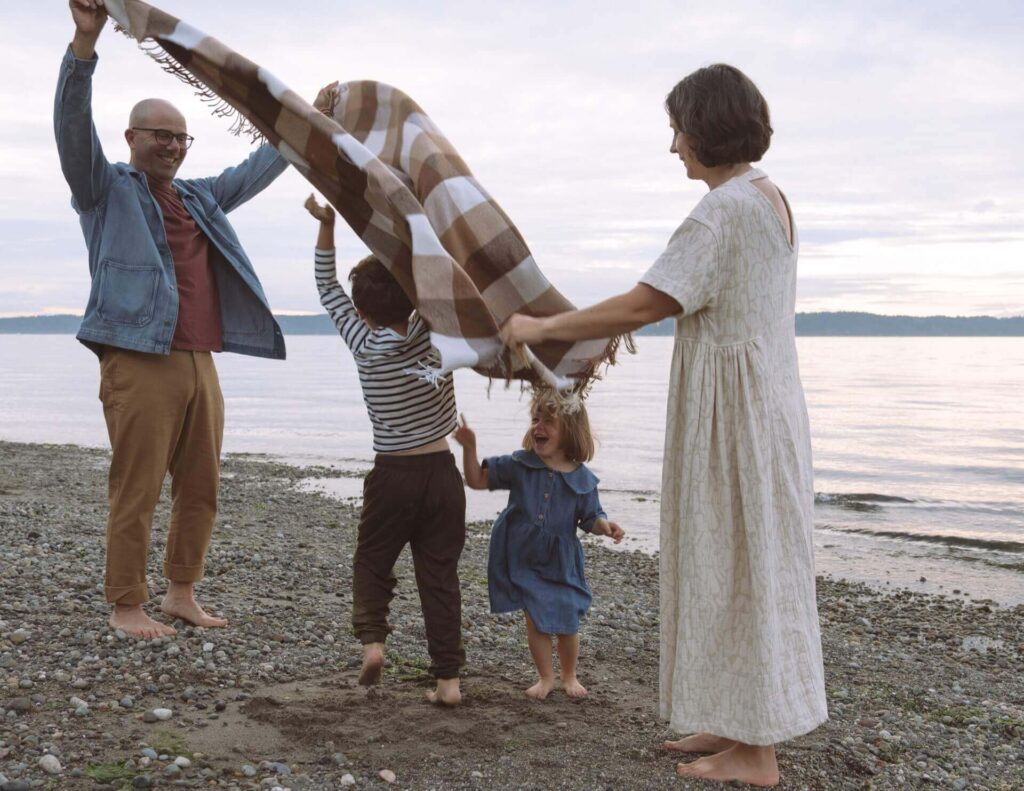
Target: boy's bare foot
700, 743
132, 620
573, 688
188, 609
373, 663
747, 763
447, 692
541, 689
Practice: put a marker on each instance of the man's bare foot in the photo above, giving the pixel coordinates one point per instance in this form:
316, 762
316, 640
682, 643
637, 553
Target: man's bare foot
132, 620
700, 743
541, 689
447, 692
188, 609
373, 663
573, 688
747, 763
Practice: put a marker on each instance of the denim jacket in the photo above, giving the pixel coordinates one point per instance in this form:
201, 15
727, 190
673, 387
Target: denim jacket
133, 302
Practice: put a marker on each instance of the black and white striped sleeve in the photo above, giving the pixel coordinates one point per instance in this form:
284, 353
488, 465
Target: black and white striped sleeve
353, 330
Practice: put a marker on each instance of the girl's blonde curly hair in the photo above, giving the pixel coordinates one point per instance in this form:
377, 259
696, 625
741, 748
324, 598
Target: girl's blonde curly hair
574, 424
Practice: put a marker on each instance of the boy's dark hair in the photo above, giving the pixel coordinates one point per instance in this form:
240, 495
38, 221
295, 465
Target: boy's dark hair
723, 113
376, 293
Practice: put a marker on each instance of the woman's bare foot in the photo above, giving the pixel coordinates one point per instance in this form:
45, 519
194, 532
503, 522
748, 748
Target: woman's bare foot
373, 663
747, 763
573, 688
541, 689
447, 692
188, 609
132, 620
700, 743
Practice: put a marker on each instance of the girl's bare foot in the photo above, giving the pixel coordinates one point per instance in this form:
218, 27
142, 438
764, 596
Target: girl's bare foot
447, 692
747, 763
373, 663
573, 688
541, 689
132, 620
700, 743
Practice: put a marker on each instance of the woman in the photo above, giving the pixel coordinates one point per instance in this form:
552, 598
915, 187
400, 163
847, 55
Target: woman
741, 660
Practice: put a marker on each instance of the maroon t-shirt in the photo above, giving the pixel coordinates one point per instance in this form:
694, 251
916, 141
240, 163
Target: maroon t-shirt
199, 326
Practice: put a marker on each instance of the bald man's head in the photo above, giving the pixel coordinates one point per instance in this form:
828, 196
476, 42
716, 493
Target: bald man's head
158, 161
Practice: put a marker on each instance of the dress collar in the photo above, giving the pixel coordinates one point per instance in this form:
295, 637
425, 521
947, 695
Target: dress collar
581, 480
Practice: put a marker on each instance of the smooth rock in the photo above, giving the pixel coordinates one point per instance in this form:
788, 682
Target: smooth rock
163, 714
20, 705
183, 762
386, 775
19, 636
49, 764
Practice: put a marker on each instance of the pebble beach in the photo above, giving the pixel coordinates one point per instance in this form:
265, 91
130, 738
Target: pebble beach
924, 691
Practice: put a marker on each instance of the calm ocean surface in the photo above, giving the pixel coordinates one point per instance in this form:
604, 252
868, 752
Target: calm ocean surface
918, 442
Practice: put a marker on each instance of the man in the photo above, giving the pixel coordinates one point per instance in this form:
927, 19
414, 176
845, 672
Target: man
170, 285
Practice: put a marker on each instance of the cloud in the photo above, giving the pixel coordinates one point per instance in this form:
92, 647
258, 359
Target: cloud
897, 129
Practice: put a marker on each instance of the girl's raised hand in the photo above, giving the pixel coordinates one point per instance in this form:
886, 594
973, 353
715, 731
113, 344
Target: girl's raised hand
611, 529
463, 434
322, 213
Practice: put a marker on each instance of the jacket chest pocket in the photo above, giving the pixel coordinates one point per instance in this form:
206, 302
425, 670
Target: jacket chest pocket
127, 292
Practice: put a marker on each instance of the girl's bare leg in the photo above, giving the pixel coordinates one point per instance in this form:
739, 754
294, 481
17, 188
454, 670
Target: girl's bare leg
748, 763
568, 654
540, 650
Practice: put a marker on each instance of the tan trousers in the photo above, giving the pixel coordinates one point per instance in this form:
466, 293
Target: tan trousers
164, 413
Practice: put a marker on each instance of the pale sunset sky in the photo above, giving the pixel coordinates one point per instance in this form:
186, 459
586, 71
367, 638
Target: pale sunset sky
898, 130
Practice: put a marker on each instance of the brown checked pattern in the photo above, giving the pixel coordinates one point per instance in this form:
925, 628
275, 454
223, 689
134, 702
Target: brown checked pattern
401, 186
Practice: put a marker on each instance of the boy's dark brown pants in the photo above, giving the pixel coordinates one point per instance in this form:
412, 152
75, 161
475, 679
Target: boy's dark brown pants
420, 501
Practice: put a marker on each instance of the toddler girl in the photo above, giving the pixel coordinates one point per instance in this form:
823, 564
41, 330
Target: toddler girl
536, 561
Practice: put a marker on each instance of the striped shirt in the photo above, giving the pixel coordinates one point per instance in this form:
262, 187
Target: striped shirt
407, 409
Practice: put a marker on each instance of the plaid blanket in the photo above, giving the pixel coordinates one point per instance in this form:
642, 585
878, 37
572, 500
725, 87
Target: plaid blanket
402, 187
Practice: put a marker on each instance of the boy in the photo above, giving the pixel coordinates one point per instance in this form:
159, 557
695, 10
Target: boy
414, 493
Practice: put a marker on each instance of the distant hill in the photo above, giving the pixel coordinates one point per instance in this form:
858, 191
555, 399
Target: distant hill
841, 324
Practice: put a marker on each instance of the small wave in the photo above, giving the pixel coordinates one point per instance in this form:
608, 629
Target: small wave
867, 501
992, 545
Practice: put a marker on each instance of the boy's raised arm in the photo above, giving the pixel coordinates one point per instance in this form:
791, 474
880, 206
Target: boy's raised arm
336, 302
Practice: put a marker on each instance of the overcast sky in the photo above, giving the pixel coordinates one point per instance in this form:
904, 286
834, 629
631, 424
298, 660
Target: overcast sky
898, 130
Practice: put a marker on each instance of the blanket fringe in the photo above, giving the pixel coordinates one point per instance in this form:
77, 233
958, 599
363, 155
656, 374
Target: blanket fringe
219, 107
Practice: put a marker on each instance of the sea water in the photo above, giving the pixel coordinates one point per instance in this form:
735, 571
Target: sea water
918, 442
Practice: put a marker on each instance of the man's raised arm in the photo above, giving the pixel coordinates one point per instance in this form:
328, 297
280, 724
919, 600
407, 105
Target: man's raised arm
81, 156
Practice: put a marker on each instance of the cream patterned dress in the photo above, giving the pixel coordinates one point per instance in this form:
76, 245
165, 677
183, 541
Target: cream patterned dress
740, 643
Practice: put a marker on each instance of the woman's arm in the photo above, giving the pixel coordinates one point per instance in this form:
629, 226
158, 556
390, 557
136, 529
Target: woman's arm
620, 314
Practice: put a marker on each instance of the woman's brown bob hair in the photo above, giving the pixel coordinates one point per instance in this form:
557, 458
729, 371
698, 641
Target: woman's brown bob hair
723, 113
577, 441
377, 294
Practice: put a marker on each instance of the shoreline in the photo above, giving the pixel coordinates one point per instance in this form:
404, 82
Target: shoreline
924, 690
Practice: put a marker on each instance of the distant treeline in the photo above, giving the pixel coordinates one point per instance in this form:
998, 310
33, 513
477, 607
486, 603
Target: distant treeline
846, 323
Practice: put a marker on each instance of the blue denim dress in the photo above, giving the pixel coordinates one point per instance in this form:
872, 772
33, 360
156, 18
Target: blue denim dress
536, 560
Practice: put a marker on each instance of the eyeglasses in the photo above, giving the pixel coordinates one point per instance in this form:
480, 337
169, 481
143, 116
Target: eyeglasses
165, 136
